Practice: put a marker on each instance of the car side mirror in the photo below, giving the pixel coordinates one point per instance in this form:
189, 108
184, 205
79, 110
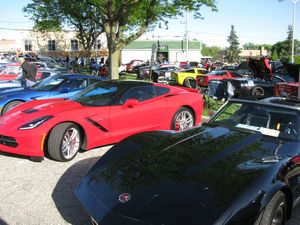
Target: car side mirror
130, 103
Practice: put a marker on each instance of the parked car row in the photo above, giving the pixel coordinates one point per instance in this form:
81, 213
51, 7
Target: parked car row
11, 71
260, 85
240, 167
250, 78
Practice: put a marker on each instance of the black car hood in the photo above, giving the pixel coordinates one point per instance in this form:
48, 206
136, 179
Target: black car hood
179, 177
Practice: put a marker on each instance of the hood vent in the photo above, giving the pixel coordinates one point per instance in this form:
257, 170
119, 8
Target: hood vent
29, 111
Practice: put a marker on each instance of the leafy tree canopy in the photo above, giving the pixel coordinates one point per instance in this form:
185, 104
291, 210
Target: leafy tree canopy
123, 21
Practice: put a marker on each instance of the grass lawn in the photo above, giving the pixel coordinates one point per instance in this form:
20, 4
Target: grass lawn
128, 76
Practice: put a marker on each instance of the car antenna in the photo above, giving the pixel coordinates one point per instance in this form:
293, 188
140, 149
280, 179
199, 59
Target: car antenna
273, 158
278, 147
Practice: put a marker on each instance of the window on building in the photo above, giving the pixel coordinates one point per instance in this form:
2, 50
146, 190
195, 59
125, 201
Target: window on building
98, 45
28, 45
74, 45
51, 45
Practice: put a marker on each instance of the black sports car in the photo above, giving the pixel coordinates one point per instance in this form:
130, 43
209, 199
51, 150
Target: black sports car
263, 82
240, 168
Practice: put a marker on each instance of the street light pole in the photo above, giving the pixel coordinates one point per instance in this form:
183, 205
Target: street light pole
186, 36
293, 41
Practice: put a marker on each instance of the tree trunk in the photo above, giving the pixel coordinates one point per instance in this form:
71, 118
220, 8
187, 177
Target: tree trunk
114, 64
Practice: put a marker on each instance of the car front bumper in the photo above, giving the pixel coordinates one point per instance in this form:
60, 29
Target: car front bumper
27, 143
96, 209
166, 80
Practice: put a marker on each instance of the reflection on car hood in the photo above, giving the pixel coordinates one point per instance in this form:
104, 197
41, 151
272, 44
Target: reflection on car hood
42, 108
13, 90
172, 178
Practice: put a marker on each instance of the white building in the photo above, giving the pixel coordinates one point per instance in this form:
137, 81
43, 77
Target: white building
65, 43
162, 50
48, 43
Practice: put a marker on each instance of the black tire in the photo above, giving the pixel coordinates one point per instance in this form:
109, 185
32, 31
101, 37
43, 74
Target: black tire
58, 135
189, 82
258, 92
187, 122
9, 106
275, 211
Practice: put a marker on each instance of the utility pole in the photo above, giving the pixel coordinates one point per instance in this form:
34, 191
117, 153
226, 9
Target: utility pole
186, 36
293, 41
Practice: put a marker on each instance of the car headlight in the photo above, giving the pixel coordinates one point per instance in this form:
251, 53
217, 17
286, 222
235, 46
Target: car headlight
35, 123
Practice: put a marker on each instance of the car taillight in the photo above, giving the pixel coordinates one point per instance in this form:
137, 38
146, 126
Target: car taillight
295, 160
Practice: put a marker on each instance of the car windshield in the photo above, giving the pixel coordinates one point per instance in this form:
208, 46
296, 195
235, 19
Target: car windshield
49, 83
270, 120
99, 94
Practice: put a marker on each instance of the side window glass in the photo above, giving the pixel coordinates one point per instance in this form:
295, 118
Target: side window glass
141, 93
74, 84
130, 94
93, 81
161, 90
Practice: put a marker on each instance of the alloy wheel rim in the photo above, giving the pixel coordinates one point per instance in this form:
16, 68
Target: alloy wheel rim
70, 143
184, 120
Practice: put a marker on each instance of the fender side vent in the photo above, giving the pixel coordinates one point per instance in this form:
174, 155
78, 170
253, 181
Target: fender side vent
96, 124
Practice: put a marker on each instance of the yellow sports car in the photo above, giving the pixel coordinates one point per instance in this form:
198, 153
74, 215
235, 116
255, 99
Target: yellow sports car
187, 77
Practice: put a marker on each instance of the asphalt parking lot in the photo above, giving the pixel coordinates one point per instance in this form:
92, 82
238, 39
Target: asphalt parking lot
34, 193
42, 193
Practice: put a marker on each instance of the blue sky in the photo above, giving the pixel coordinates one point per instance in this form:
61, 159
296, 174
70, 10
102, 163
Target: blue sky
257, 21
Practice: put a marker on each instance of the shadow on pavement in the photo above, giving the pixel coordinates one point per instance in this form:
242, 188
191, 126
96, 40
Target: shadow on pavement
13, 156
63, 194
2, 222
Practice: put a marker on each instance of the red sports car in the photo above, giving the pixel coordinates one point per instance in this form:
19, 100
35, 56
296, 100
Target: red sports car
202, 80
10, 71
102, 114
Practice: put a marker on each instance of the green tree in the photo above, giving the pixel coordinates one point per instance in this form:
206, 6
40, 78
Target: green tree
232, 52
250, 46
289, 41
122, 21
297, 59
213, 51
266, 46
274, 55
281, 48
57, 14
284, 48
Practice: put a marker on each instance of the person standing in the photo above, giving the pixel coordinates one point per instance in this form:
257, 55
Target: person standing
28, 72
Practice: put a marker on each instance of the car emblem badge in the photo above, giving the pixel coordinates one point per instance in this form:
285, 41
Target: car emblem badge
125, 197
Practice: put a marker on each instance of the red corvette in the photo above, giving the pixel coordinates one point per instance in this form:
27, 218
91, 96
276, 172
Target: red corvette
10, 71
102, 114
